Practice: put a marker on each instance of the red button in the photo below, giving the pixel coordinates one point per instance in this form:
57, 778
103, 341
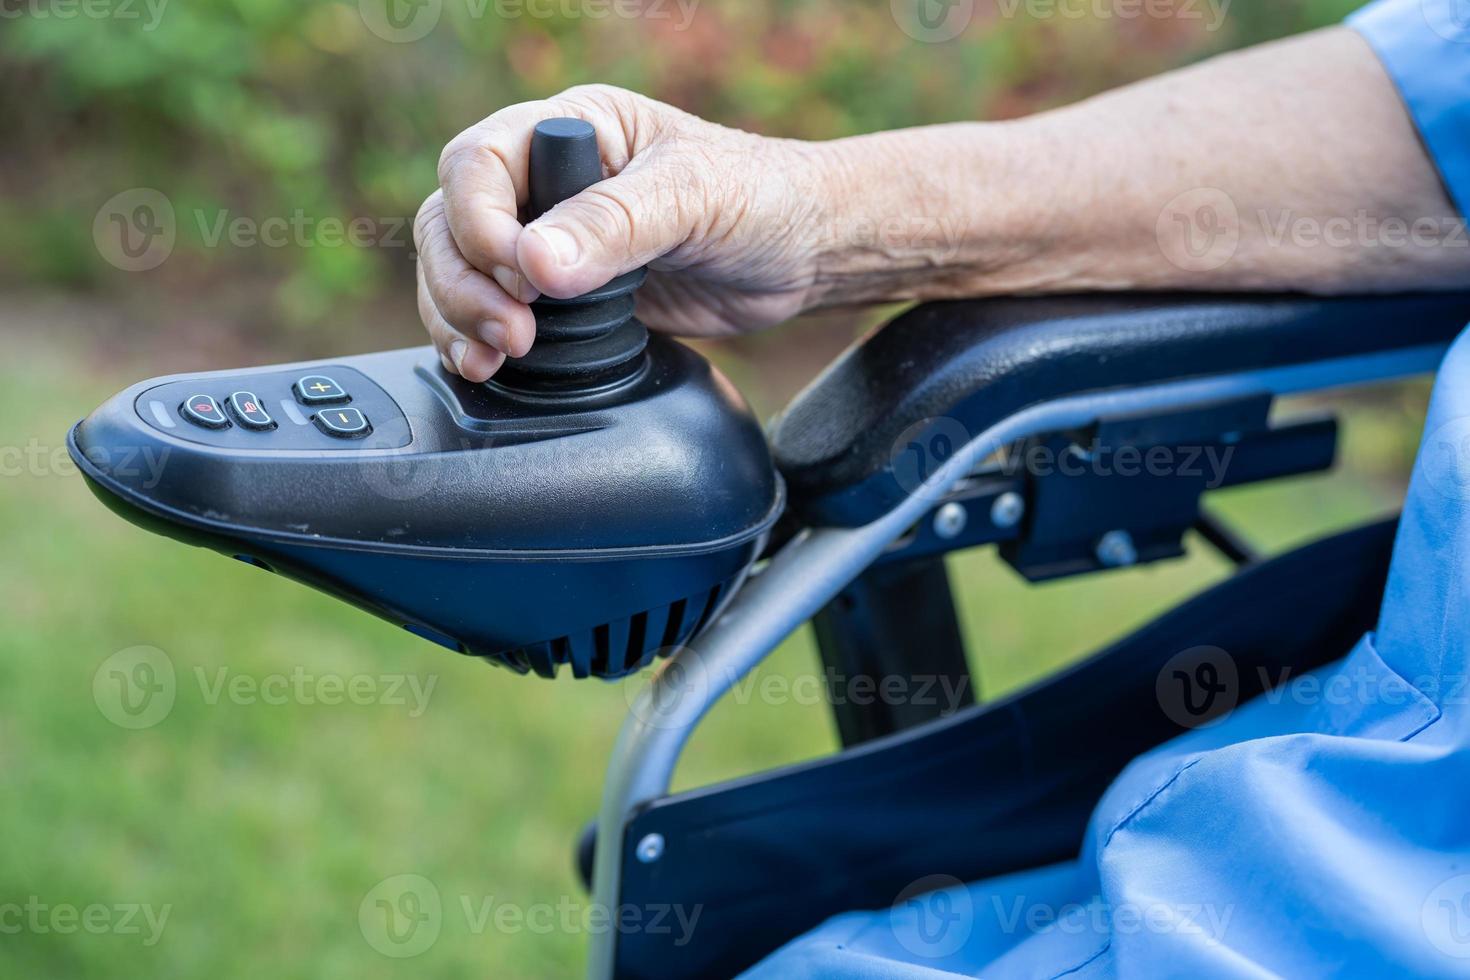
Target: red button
203, 411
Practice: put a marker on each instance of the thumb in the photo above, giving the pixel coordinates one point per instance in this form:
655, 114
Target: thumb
612, 227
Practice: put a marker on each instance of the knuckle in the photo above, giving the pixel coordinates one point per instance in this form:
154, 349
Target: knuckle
599, 95
612, 219
450, 155
454, 296
462, 152
431, 211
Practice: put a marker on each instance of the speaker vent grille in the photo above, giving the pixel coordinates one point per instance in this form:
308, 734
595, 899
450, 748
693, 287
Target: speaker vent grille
620, 647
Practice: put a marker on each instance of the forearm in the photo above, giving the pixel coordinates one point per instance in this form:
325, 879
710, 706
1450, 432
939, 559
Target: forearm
1235, 174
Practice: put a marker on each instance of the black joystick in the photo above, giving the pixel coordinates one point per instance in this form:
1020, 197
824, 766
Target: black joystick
587, 342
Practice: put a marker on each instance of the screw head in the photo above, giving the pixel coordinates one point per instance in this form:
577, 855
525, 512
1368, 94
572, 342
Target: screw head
650, 848
1007, 510
950, 520
1116, 550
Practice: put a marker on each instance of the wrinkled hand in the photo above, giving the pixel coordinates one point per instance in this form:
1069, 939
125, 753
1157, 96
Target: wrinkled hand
721, 217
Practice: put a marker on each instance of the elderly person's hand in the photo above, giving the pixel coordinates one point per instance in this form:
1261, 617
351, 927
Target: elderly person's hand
723, 218
1230, 175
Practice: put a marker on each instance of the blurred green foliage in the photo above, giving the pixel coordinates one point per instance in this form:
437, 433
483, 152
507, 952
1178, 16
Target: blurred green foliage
262, 108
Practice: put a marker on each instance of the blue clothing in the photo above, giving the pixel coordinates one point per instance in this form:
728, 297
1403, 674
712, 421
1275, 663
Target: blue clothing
1320, 830
1425, 45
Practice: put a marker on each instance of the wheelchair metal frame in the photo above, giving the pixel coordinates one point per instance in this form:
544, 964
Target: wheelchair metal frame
818, 563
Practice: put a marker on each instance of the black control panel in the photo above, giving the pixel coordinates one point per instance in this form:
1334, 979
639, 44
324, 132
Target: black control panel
332, 407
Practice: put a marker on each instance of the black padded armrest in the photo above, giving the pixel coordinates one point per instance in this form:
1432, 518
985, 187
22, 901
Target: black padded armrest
980, 361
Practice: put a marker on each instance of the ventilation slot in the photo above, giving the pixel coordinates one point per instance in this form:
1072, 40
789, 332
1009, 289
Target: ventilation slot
675, 627
637, 630
599, 650
709, 609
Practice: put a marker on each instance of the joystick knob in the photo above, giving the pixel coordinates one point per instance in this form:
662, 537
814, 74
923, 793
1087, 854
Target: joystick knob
590, 341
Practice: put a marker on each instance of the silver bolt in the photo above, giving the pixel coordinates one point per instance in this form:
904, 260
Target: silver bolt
1116, 550
651, 848
950, 520
1007, 510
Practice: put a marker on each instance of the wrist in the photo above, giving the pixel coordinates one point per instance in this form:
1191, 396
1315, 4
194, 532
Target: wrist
967, 209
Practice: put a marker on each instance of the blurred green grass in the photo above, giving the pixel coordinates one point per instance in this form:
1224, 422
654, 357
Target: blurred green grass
264, 826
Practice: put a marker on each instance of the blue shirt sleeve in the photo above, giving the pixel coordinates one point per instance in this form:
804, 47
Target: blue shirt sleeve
1425, 45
